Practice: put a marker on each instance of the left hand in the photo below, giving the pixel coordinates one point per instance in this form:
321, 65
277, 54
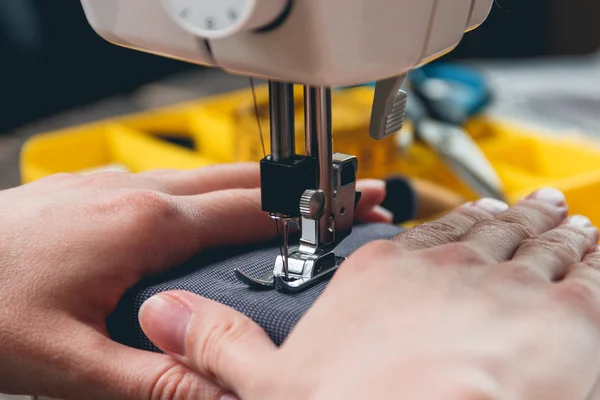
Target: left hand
72, 245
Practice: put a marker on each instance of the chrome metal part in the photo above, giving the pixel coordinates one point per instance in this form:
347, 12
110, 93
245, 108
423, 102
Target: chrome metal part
282, 113
389, 107
286, 249
266, 282
344, 181
322, 150
312, 204
306, 270
327, 211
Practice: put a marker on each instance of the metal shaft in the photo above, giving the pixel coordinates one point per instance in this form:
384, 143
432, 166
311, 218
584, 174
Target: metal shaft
319, 144
310, 129
282, 113
286, 251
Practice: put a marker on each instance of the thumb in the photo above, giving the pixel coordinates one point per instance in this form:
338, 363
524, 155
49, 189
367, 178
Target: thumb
212, 339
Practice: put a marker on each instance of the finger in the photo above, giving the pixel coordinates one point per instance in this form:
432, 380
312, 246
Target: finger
451, 227
112, 371
205, 180
80, 361
552, 253
588, 270
500, 237
368, 209
163, 231
209, 337
581, 286
227, 218
155, 231
376, 215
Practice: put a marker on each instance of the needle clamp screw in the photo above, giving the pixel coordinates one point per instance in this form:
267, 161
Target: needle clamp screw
312, 204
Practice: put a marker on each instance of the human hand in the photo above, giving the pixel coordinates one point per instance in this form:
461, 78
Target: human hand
71, 245
485, 303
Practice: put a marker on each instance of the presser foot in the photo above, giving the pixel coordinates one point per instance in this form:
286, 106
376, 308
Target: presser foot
266, 282
304, 271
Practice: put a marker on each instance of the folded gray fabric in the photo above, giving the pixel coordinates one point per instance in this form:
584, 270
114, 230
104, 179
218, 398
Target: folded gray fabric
212, 275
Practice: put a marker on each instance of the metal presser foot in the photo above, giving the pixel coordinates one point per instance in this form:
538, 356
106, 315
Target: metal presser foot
323, 228
317, 190
312, 261
304, 271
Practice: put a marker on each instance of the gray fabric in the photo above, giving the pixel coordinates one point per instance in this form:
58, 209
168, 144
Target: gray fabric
212, 275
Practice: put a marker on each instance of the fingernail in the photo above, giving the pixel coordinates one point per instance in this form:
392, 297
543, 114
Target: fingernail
229, 397
164, 319
385, 214
580, 221
374, 184
492, 206
597, 249
550, 196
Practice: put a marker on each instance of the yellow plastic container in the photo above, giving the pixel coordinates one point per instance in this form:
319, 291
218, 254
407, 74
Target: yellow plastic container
103, 145
228, 129
225, 129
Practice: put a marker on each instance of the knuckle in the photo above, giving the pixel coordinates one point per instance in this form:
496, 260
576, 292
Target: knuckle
443, 228
179, 382
520, 227
512, 226
209, 349
167, 384
564, 244
473, 214
430, 234
523, 272
532, 211
592, 260
571, 235
464, 253
146, 206
138, 214
100, 179
578, 293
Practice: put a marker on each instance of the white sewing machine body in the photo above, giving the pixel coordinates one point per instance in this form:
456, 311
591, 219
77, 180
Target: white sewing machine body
316, 42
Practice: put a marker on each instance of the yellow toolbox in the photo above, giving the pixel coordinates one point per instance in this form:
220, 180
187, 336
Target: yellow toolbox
224, 129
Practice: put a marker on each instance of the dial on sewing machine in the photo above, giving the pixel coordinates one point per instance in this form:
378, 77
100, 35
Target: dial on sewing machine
320, 44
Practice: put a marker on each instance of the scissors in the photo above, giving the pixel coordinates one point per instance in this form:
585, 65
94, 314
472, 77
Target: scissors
442, 97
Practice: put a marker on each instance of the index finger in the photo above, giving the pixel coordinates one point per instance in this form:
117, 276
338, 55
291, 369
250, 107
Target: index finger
206, 179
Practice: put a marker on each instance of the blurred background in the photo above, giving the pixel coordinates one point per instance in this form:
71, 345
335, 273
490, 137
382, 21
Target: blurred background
55, 72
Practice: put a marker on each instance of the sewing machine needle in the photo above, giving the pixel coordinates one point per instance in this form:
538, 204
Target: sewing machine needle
286, 229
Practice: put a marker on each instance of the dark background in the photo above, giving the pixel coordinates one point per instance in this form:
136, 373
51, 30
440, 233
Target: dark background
51, 60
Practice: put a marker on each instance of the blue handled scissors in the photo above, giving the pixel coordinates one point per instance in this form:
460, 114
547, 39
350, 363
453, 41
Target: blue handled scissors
450, 92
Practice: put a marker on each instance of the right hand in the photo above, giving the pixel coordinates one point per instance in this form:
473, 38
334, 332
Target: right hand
485, 303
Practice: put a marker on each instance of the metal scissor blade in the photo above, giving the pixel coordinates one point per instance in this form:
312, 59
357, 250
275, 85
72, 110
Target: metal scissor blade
463, 155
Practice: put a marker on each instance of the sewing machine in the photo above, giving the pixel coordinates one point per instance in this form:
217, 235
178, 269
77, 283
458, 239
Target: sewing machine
321, 44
